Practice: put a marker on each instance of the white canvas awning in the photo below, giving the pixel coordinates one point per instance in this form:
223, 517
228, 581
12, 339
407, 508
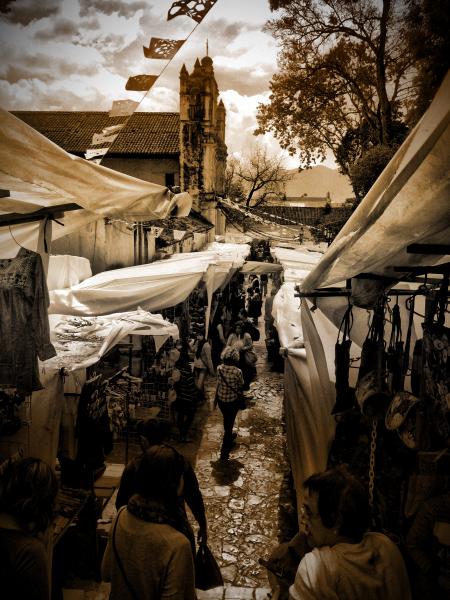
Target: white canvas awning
39, 174
152, 287
409, 203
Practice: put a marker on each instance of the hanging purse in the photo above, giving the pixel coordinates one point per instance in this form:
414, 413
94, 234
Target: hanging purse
345, 396
207, 571
401, 415
371, 392
395, 353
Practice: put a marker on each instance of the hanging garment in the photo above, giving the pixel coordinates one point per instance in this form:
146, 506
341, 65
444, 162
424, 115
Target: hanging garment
24, 329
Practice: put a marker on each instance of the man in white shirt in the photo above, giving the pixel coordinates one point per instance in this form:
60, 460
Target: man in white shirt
347, 562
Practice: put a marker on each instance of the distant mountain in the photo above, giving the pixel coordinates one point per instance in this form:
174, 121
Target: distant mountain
317, 181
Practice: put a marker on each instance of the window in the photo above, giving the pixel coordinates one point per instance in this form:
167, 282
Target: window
170, 179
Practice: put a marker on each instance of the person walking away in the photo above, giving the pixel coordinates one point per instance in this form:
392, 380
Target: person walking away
242, 341
264, 281
268, 318
217, 337
147, 554
153, 432
186, 403
28, 489
347, 561
229, 385
202, 364
255, 304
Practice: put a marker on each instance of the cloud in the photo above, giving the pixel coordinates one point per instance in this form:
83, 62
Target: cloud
59, 29
32, 94
25, 12
92, 24
109, 7
43, 68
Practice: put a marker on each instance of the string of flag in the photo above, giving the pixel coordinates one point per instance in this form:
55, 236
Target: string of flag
256, 217
158, 48
285, 233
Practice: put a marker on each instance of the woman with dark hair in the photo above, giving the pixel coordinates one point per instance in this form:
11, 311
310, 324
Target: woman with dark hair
28, 490
202, 363
148, 555
241, 339
186, 403
347, 561
217, 335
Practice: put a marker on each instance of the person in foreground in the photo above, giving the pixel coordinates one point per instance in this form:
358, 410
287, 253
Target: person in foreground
347, 562
28, 490
153, 433
147, 556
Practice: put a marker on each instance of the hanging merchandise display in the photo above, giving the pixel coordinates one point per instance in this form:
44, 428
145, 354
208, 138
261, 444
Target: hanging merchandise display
345, 396
400, 417
372, 393
24, 327
436, 371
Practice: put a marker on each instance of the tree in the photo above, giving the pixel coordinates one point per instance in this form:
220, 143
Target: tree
426, 30
345, 69
256, 177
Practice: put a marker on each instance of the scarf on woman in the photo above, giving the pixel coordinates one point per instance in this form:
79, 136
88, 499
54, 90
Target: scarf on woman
153, 511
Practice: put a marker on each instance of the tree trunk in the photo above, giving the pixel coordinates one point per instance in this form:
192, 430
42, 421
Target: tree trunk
385, 108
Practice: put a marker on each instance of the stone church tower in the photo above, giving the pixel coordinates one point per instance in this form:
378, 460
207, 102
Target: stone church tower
203, 152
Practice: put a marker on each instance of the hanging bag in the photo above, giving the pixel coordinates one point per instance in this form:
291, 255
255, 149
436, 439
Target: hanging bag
395, 353
400, 415
372, 393
207, 571
345, 396
436, 371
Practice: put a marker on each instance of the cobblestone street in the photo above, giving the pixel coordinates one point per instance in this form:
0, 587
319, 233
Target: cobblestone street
242, 495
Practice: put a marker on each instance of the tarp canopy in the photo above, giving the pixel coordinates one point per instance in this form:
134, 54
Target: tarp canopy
253, 266
309, 393
40, 174
152, 287
409, 203
81, 342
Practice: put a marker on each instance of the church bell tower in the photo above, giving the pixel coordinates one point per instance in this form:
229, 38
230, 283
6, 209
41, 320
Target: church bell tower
203, 152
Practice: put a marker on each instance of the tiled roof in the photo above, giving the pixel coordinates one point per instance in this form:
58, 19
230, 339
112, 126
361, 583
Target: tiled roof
307, 215
195, 222
145, 132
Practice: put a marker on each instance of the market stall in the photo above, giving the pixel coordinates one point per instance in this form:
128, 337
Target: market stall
374, 320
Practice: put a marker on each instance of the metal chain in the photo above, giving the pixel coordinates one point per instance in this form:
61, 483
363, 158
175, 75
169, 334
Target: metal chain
373, 449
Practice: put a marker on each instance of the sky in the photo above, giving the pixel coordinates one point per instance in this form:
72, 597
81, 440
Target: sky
78, 55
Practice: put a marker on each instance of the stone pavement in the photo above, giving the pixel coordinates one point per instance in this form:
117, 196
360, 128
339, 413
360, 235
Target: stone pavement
247, 498
242, 496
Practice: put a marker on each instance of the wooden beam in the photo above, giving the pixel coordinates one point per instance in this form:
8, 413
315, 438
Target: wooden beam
428, 249
55, 211
441, 269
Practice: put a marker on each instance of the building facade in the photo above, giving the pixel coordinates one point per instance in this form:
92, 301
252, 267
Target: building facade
185, 149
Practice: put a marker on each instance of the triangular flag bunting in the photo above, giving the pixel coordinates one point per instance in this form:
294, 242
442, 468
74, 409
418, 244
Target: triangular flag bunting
156, 231
123, 108
161, 48
140, 83
178, 235
93, 152
112, 129
195, 10
101, 138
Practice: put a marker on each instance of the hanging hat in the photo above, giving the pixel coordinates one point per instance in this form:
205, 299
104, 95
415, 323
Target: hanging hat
372, 395
398, 409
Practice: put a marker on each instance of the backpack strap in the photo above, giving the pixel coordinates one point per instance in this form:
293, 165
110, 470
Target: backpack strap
117, 557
